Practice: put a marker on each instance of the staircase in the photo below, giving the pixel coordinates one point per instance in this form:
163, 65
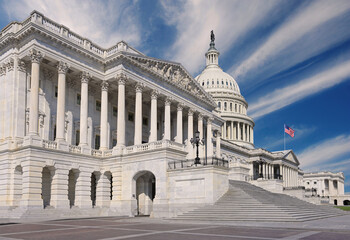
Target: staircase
246, 202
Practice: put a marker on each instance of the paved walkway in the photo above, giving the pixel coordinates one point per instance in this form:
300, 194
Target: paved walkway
144, 228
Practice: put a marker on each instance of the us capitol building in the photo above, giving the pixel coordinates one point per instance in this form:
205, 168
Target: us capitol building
92, 131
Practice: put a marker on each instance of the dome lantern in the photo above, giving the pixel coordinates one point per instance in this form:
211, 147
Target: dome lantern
212, 55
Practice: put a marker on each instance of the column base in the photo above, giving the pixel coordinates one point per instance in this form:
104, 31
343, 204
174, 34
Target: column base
62, 145
85, 149
118, 150
32, 140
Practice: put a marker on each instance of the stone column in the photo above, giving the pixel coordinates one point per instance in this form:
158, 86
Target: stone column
273, 171
229, 130
252, 135
104, 116
167, 121
234, 130
36, 58
84, 106
138, 114
244, 133
179, 124
239, 131
59, 196
210, 147
224, 131
61, 101
153, 132
200, 129
190, 134
218, 144
121, 111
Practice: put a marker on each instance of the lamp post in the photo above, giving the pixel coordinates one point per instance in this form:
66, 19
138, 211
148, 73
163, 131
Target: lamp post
196, 141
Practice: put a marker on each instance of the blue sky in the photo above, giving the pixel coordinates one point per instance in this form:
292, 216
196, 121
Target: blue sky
291, 59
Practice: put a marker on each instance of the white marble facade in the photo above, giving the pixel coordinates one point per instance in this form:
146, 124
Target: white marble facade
86, 130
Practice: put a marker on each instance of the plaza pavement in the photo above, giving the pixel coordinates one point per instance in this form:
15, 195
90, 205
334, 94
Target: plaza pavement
110, 228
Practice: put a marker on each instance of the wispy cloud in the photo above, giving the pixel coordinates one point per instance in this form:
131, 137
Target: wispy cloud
291, 40
194, 20
325, 152
104, 22
285, 96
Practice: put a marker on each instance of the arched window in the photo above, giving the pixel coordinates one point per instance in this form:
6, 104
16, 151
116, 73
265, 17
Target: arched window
222, 82
219, 105
202, 83
225, 106
217, 82
226, 83
235, 107
231, 107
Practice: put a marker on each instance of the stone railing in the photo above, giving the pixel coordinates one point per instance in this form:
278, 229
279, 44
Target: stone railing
186, 163
96, 153
154, 145
74, 149
49, 144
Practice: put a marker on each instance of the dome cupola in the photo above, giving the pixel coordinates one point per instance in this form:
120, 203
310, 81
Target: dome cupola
238, 127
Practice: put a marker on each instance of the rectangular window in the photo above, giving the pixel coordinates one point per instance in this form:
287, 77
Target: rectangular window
145, 121
77, 137
114, 142
131, 117
115, 111
56, 91
98, 105
97, 142
78, 99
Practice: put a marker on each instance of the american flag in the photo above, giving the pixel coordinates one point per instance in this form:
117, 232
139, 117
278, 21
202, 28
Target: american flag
289, 131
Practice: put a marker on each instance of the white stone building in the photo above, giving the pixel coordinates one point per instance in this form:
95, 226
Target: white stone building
327, 185
87, 131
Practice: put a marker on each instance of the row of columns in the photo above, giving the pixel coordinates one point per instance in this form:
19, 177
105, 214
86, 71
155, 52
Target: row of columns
267, 170
233, 130
36, 58
290, 176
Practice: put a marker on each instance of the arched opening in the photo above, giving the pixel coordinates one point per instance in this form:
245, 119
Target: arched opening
72, 182
46, 186
145, 192
94, 180
17, 185
346, 202
335, 202
110, 184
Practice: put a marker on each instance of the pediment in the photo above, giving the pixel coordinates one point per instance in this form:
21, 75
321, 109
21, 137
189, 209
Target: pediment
291, 157
173, 73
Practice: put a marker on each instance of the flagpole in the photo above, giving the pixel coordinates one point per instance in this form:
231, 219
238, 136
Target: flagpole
284, 136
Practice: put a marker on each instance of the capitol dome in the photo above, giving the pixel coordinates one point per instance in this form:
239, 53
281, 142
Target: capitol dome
238, 126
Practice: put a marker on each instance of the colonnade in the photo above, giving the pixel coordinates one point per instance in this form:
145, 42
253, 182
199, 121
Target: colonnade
36, 58
289, 174
233, 130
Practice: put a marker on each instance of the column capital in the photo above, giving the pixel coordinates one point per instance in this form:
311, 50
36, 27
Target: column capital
168, 101
200, 116
2, 70
62, 67
104, 86
121, 77
10, 65
21, 66
139, 87
210, 120
35, 56
180, 106
154, 94
85, 77
190, 112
